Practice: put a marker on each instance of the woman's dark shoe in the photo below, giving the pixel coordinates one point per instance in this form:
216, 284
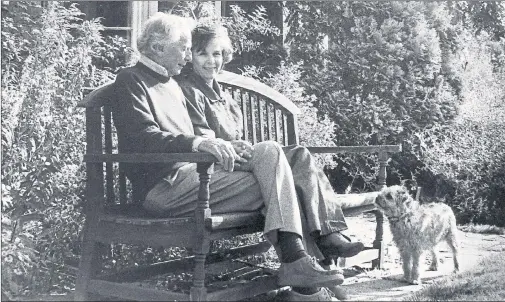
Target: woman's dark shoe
338, 245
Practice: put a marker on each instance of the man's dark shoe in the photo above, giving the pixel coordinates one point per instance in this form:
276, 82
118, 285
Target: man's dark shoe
338, 245
306, 272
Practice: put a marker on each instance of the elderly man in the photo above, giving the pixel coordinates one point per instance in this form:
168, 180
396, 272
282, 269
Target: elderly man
150, 115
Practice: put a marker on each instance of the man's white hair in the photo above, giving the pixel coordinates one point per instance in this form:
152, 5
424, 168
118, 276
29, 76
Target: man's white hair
162, 27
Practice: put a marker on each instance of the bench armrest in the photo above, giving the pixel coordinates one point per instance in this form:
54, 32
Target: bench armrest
199, 157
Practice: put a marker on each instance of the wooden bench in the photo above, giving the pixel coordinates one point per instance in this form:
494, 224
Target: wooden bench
112, 216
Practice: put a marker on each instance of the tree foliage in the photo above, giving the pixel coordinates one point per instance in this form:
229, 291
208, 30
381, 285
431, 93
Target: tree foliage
46, 60
469, 153
380, 77
393, 72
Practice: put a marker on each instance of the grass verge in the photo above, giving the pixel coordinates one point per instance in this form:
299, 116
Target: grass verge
486, 282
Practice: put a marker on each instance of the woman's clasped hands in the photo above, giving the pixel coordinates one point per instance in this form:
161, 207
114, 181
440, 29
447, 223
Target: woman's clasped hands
233, 155
244, 150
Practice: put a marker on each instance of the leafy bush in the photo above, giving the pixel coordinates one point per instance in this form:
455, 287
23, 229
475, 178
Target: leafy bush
470, 152
379, 76
48, 59
389, 72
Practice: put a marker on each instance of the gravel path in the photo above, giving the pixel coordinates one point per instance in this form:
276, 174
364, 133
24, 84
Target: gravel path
386, 285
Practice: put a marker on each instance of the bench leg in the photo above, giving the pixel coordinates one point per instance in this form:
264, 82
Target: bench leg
198, 291
89, 265
378, 242
201, 247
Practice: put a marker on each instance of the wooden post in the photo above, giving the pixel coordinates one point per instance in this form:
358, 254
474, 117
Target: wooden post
379, 217
201, 247
90, 254
418, 193
383, 163
378, 242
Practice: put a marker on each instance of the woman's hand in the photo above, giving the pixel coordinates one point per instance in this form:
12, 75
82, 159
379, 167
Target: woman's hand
244, 150
224, 152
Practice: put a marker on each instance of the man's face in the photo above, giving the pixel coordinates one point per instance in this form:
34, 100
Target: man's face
174, 55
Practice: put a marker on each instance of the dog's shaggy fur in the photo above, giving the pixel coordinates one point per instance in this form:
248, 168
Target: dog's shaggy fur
417, 228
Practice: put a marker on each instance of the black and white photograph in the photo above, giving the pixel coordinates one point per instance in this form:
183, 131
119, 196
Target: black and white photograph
253, 150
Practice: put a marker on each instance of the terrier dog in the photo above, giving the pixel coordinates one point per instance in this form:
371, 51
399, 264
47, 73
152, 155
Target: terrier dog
417, 228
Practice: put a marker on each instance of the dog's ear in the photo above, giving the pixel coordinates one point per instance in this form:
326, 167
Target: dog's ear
403, 190
403, 193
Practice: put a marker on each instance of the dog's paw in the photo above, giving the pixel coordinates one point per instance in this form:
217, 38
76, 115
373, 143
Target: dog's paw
407, 279
415, 282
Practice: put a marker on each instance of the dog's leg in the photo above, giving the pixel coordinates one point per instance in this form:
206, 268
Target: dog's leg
406, 264
434, 260
416, 269
452, 240
453, 244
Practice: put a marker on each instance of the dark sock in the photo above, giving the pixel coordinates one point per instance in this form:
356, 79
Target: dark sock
291, 247
327, 261
306, 290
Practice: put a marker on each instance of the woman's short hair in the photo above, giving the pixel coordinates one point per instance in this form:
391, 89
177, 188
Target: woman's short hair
162, 26
204, 33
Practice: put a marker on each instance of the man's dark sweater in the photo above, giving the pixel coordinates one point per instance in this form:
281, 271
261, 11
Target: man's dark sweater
149, 112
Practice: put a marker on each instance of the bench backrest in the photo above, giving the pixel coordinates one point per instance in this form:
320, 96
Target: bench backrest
268, 115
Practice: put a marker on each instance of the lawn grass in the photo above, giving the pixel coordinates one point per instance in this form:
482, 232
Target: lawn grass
486, 282
482, 229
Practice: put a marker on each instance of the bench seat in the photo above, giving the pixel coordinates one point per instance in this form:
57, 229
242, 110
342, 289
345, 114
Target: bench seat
135, 214
131, 223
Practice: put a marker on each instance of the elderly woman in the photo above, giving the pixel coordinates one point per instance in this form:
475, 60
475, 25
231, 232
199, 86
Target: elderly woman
215, 113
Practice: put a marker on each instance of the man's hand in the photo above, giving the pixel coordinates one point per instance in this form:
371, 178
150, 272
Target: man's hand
222, 150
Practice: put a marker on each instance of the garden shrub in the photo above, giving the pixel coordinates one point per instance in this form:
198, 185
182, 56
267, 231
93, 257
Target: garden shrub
46, 60
393, 73
470, 152
376, 71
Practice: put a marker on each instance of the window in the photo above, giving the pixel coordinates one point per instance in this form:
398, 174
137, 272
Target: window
121, 18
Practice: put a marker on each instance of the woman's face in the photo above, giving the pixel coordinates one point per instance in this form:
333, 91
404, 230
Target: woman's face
208, 62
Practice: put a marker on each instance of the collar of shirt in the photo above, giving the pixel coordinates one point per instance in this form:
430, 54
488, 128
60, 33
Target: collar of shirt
214, 93
153, 66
